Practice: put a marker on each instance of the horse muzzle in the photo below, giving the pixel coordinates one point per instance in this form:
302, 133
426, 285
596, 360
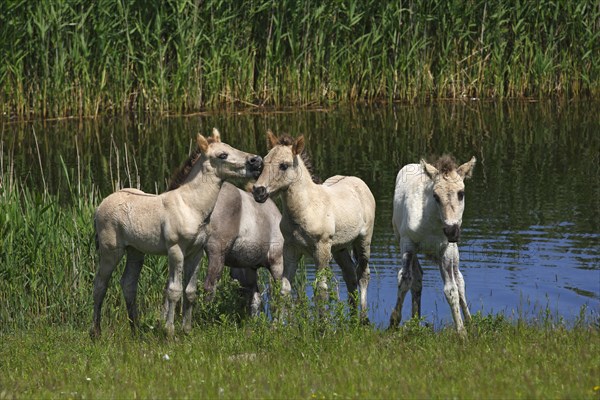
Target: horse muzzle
452, 233
255, 166
260, 194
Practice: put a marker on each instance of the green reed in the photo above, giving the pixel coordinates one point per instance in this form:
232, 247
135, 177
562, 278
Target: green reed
86, 58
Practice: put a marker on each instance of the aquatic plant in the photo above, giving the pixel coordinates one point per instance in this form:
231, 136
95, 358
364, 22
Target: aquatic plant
81, 58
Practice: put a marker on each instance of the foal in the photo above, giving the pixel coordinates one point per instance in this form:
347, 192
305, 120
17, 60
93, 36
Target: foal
244, 235
173, 223
428, 208
333, 218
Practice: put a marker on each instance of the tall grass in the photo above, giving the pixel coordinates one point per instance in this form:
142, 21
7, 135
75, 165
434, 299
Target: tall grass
78, 57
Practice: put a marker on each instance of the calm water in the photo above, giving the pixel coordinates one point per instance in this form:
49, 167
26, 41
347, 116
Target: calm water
531, 229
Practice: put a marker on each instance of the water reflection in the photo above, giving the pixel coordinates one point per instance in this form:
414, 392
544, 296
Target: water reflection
531, 224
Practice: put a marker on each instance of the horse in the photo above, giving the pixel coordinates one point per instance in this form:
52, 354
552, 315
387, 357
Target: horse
173, 223
428, 205
244, 235
319, 220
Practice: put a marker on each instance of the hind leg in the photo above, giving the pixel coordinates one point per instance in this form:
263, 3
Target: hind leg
416, 287
108, 260
344, 260
362, 251
405, 280
191, 266
129, 285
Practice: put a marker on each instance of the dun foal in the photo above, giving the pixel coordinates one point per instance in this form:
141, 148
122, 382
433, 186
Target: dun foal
428, 206
244, 235
173, 223
333, 218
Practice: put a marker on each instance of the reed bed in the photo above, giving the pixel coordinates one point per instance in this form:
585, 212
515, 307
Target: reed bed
82, 58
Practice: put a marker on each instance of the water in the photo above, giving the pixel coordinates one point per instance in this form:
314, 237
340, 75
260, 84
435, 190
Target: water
531, 234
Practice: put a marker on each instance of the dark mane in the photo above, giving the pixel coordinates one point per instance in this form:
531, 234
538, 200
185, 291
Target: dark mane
287, 140
445, 164
184, 171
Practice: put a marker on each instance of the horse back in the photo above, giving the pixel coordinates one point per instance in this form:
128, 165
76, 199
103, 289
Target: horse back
353, 205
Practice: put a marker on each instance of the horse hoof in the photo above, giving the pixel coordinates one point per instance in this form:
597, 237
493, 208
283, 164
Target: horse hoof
170, 331
94, 334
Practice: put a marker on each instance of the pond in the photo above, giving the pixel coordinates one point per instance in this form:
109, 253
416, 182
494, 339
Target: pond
531, 237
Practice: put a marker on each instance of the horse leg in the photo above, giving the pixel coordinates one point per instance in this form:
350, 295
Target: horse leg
416, 287
404, 280
460, 281
191, 265
216, 264
291, 256
248, 279
362, 251
448, 262
129, 285
344, 260
322, 257
108, 260
174, 287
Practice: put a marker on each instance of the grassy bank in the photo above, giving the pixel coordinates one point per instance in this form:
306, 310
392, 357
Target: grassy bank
87, 58
258, 360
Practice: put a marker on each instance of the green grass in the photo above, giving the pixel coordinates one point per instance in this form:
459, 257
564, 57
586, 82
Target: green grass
256, 359
81, 58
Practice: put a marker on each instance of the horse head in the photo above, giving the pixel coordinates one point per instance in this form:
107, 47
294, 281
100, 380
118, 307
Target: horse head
449, 192
226, 161
282, 166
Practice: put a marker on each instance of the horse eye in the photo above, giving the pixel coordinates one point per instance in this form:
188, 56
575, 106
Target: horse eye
461, 195
223, 156
283, 166
436, 197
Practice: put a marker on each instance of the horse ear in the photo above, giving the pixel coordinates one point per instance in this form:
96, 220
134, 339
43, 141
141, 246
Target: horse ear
429, 169
466, 170
202, 143
272, 139
216, 136
298, 145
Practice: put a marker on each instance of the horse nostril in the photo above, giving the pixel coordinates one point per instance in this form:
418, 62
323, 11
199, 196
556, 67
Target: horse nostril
452, 232
260, 193
255, 160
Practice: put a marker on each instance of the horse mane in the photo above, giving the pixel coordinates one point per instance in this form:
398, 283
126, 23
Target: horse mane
184, 170
445, 164
287, 140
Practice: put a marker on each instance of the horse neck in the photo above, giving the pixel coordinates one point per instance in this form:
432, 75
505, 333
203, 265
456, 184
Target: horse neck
201, 188
299, 194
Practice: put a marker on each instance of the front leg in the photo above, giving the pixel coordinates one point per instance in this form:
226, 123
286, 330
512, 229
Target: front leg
322, 257
448, 263
191, 267
405, 279
216, 264
174, 287
291, 256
